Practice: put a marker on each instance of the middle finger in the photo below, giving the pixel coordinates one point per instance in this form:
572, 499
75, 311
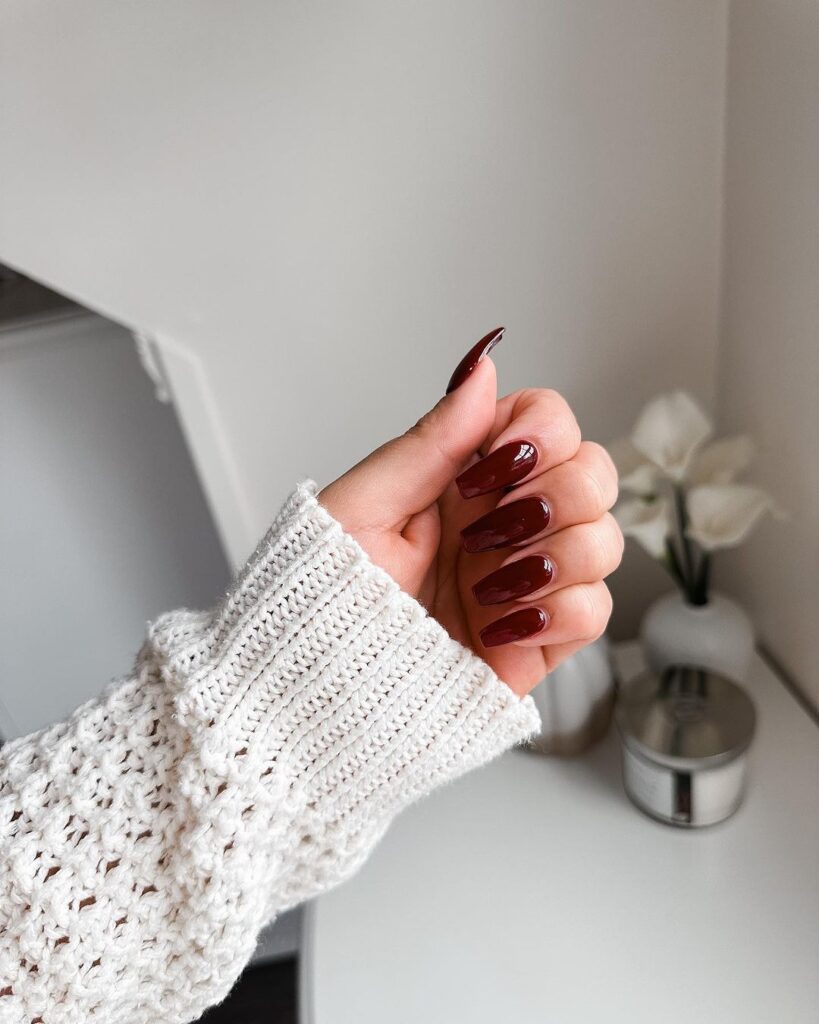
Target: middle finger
584, 553
578, 491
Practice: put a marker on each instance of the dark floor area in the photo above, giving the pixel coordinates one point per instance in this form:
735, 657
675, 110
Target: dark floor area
263, 995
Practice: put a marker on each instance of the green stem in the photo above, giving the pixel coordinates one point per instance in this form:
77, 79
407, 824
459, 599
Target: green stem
703, 580
672, 561
689, 575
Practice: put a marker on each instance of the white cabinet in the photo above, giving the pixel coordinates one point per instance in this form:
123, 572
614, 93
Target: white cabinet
103, 524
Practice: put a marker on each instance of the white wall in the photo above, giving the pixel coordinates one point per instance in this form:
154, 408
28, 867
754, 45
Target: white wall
769, 365
103, 524
328, 203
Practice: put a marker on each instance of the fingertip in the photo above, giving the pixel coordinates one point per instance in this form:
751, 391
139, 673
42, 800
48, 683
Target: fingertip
521, 627
474, 357
483, 376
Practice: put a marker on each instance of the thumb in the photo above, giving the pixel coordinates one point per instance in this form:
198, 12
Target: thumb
409, 473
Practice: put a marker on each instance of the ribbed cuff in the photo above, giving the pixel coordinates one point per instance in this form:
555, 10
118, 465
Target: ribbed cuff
318, 667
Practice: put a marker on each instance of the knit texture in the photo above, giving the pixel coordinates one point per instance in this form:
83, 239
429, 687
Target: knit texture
252, 759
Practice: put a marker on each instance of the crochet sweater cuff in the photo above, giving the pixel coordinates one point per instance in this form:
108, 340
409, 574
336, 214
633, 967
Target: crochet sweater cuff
251, 761
318, 668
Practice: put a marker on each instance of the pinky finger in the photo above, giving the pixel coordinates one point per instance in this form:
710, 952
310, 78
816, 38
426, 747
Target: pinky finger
574, 614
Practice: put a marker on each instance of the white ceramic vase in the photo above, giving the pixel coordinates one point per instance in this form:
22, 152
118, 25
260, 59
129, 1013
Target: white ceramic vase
717, 635
575, 702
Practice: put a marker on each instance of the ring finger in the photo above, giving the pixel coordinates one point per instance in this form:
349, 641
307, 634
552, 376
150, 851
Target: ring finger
579, 554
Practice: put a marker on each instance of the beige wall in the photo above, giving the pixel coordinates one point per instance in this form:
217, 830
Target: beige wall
768, 380
327, 203
322, 205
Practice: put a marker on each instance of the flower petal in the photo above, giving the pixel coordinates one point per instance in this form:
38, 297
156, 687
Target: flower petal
669, 430
648, 522
635, 474
722, 515
722, 461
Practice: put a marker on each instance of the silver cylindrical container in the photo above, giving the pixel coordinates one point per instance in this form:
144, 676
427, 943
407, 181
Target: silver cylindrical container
685, 738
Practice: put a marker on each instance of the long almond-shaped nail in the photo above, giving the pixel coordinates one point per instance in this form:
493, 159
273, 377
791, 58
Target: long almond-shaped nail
507, 524
473, 357
507, 465
515, 580
517, 625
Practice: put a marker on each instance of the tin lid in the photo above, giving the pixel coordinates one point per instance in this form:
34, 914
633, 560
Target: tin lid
684, 717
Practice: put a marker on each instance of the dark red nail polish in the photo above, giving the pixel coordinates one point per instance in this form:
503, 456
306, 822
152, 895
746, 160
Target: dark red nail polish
508, 524
515, 580
507, 465
473, 357
515, 626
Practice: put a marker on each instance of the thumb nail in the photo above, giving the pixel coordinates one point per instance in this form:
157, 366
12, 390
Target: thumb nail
473, 357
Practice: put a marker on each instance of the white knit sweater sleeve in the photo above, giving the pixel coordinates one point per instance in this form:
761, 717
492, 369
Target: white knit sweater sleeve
251, 760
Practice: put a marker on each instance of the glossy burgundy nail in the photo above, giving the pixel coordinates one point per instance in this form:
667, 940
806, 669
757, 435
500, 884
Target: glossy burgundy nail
508, 524
473, 357
517, 625
507, 465
515, 580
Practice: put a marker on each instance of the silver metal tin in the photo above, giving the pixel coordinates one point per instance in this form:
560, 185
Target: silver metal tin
685, 736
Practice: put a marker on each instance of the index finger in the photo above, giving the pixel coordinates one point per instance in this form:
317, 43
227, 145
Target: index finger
534, 430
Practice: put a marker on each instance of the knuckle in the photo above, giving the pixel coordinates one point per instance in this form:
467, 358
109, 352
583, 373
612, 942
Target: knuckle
542, 396
597, 611
600, 469
555, 399
556, 411
570, 431
606, 608
605, 546
588, 614
432, 436
617, 541
591, 493
598, 549
606, 472
424, 427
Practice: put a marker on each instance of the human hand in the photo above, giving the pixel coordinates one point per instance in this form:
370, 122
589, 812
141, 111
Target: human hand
494, 514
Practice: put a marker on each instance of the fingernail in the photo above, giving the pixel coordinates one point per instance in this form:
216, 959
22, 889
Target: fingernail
473, 357
515, 580
507, 465
508, 524
517, 625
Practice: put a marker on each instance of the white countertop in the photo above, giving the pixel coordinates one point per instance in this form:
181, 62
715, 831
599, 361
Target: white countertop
533, 891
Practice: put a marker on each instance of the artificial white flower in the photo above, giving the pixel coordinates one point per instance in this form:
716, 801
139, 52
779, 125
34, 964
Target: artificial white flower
722, 515
721, 462
669, 431
636, 474
648, 522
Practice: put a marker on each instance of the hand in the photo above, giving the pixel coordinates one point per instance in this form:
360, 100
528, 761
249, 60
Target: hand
494, 515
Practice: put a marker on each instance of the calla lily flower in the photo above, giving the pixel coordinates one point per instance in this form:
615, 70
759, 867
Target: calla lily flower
687, 503
636, 474
669, 432
721, 462
722, 515
648, 522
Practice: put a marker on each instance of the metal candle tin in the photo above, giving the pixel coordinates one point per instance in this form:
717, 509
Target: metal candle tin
685, 736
